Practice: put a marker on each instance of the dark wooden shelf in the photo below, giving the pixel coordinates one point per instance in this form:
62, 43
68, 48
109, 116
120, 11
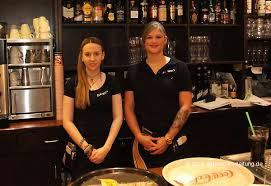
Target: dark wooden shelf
165, 25
217, 63
214, 25
256, 16
259, 39
95, 25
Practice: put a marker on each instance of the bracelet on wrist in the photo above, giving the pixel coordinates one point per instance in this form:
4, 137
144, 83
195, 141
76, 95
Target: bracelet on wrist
88, 150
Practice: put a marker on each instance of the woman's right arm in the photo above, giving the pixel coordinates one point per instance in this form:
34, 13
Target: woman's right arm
68, 112
130, 117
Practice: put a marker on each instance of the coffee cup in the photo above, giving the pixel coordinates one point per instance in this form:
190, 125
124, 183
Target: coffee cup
14, 78
16, 56
44, 35
26, 32
14, 32
258, 141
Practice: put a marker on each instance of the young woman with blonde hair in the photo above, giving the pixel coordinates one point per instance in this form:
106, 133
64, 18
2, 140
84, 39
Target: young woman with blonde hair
92, 110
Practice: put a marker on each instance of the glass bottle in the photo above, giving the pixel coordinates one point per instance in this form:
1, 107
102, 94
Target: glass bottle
98, 11
233, 12
109, 14
162, 11
204, 13
199, 87
193, 13
211, 16
249, 7
133, 12
120, 12
87, 9
179, 11
67, 11
78, 13
172, 12
218, 12
225, 19
261, 8
143, 12
153, 11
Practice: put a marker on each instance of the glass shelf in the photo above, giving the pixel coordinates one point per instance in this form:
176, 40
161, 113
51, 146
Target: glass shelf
29, 87
30, 64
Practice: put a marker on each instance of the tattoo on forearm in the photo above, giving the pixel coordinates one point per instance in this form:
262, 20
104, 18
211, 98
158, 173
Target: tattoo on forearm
180, 118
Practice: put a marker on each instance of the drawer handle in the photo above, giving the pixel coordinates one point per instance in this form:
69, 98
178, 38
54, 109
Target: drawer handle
51, 141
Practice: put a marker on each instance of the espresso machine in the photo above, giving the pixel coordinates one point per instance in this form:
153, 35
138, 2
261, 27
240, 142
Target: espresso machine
3, 79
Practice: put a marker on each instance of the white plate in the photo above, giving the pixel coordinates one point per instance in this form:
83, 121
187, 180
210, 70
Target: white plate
206, 172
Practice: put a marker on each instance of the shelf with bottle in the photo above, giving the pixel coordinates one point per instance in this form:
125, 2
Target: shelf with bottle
229, 62
95, 25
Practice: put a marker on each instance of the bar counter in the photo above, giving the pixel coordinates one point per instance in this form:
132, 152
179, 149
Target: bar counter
31, 151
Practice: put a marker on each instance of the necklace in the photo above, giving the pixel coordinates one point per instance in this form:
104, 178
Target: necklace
93, 81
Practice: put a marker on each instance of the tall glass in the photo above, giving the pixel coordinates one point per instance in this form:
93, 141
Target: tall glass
258, 143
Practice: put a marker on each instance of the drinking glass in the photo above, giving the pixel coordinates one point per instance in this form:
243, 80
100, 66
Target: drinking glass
258, 142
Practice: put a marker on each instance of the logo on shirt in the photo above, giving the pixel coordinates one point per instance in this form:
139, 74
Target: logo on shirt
102, 93
168, 71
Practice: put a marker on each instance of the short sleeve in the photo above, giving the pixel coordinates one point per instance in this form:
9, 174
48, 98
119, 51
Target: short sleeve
183, 77
69, 87
115, 86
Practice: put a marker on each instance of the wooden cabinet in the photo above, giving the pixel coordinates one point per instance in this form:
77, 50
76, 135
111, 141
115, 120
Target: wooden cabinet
32, 156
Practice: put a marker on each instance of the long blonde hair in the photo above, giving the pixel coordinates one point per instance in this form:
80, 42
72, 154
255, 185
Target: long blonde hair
82, 99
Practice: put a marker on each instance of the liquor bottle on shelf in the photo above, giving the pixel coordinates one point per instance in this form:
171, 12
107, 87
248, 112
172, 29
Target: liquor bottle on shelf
199, 87
78, 13
211, 16
120, 12
67, 11
153, 10
172, 12
143, 12
162, 11
261, 8
133, 12
98, 12
205, 83
218, 12
233, 12
268, 7
87, 9
249, 7
193, 13
109, 14
225, 17
179, 11
204, 12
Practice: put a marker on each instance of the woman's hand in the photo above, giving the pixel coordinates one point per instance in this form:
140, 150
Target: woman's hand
98, 155
161, 146
147, 142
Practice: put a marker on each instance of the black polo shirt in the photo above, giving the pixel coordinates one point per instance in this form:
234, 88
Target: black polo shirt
157, 95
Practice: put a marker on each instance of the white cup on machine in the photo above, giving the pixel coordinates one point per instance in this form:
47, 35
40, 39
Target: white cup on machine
26, 32
14, 32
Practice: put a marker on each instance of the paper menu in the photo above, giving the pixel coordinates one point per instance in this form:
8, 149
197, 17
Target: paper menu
219, 102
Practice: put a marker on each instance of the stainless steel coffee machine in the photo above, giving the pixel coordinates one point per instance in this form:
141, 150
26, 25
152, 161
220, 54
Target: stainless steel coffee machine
3, 80
30, 74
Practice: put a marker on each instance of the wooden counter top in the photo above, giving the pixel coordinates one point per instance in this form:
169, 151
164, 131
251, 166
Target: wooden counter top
21, 125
